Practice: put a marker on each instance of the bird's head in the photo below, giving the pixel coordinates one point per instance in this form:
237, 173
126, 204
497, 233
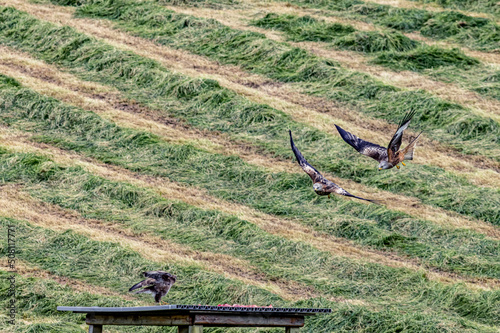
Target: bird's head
318, 187
384, 165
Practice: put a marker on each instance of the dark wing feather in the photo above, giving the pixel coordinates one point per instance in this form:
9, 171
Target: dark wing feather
308, 168
408, 151
141, 284
157, 275
170, 278
334, 188
397, 138
369, 149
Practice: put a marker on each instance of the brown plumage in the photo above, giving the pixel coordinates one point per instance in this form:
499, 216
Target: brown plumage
321, 185
157, 283
387, 157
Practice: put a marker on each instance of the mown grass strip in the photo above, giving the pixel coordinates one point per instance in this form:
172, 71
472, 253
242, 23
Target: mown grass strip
186, 224
229, 178
199, 198
474, 32
203, 103
343, 36
312, 74
38, 298
489, 7
390, 49
444, 120
115, 267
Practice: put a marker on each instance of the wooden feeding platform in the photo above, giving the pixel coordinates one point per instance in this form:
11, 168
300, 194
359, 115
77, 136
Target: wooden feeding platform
192, 318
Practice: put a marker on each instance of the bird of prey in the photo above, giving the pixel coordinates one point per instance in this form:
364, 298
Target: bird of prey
321, 185
157, 283
388, 157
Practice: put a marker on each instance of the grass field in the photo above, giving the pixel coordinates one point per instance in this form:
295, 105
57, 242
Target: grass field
144, 135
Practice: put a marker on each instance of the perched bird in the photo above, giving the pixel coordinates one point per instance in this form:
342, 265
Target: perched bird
321, 185
157, 283
388, 157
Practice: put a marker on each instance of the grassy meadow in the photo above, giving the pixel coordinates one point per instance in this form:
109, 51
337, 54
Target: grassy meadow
148, 135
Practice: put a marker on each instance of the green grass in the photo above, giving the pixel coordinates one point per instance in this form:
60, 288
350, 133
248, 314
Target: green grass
454, 250
305, 28
393, 50
38, 298
232, 179
490, 7
309, 73
70, 254
397, 299
423, 58
113, 266
204, 104
252, 51
476, 33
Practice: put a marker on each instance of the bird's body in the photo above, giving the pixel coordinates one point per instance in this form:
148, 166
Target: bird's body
321, 185
387, 157
157, 283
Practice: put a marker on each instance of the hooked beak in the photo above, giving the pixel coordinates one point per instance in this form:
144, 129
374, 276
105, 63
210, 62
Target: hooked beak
379, 169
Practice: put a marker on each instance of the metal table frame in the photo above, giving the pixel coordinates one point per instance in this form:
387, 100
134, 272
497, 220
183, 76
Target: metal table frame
192, 318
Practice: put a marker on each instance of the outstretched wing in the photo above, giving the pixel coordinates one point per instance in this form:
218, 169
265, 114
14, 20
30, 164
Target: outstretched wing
369, 149
167, 277
153, 274
308, 168
334, 188
144, 283
397, 138
408, 151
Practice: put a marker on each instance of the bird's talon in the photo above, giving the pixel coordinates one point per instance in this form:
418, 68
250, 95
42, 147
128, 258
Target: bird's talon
329, 196
397, 166
403, 163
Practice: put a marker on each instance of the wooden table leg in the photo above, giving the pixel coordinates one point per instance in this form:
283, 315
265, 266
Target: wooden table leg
292, 329
196, 329
190, 329
95, 328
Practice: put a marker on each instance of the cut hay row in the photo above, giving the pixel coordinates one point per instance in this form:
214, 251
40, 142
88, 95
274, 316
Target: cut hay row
438, 5
39, 293
257, 7
314, 75
467, 127
461, 94
16, 62
483, 8
115, 266
235, 79
121, 266
395, 202
270, 224
378, 278
474, 32
377, 232
168, 129
18, 205
267, 123
392, 50
26, 270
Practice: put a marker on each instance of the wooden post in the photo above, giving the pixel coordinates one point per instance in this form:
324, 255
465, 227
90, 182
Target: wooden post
95, 329
191, 329
292, 330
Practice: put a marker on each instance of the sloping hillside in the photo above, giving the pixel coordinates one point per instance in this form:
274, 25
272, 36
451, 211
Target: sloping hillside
145, 135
